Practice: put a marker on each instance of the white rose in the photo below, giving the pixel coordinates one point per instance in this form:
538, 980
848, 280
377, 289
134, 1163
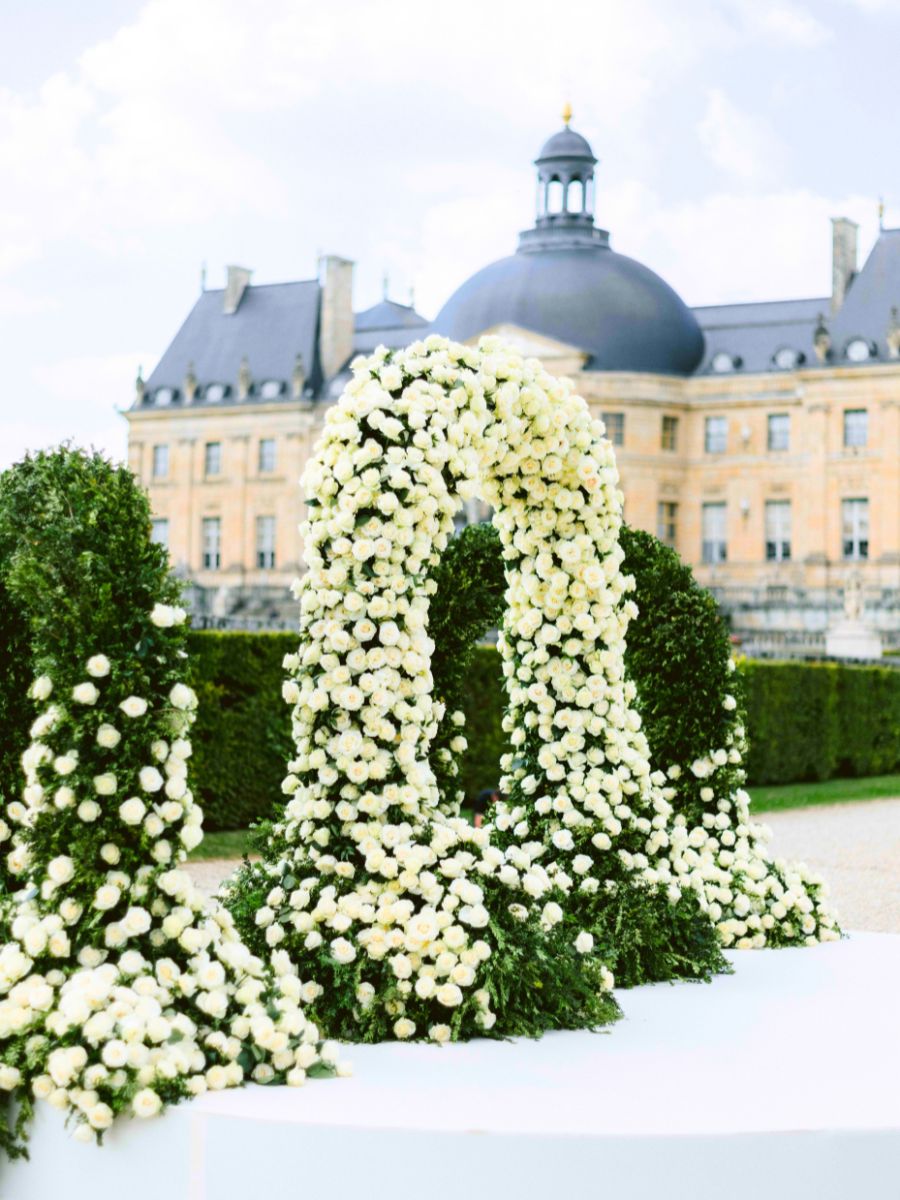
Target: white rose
65, 764
181, 696
42, 687
404, 1028
105, 785
89, 810
60, 869
98, 666
449, 995
150, 778
584, 943
146, 1103
106, 897
342, 950
108, 736
133, 706
132, 811
439, 1033
85, 693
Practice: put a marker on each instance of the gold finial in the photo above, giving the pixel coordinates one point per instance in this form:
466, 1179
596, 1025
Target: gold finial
567, 114
881, 212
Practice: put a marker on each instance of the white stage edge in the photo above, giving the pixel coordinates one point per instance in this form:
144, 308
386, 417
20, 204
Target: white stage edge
780, 1082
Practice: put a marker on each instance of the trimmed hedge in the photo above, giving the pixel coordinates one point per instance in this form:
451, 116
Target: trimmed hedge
804, 721
242, 736
820, 720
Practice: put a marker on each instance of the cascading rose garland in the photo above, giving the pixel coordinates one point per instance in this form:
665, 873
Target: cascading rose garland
122, 988
399, 912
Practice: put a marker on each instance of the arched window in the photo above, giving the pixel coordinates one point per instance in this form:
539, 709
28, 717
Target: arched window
554, 196
575, 197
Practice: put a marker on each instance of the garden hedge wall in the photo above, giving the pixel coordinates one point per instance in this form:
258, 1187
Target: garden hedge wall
804, 721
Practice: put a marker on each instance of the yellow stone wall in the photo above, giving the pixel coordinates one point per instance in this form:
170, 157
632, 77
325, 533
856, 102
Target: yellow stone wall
815, 473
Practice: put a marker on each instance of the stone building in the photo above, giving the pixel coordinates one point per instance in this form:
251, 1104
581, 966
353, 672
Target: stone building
762, 440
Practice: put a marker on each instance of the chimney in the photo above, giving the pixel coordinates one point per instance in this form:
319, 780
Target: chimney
336, 322
237, 283
843, 258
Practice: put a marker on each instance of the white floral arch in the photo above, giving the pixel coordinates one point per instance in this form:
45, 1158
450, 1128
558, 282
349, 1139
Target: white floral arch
387, 878
395, 909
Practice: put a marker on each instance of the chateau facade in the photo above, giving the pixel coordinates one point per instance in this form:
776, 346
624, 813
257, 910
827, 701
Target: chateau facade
761, 440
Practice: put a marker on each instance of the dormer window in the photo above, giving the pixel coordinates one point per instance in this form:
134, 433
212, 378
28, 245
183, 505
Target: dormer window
271, 389
787, 358
215, 392
165, 396
722, 362
859, 350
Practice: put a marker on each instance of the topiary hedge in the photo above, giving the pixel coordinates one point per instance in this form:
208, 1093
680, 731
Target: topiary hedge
804, 721
820, 720
242, 736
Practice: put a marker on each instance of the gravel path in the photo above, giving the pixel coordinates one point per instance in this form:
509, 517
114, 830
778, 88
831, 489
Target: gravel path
856, 847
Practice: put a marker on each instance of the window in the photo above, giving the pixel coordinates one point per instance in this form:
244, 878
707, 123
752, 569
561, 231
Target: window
212, 460
159, 532
271, 389
615, 427
554, 196
265, 542
778, 530
160, 462
858, 350
779, 431
667, 521
722, 363
715, 546
855, 528
670, 433
575, 196
856, 427
212, 543
266, 455
787, 358
715, 437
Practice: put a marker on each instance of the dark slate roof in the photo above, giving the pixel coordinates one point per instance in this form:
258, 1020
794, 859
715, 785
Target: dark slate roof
619, 312
273, 323
866, 311
753, 333
566, 144
387, 324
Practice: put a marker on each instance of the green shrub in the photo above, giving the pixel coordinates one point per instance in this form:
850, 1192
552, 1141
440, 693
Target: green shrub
242, 736
820, 720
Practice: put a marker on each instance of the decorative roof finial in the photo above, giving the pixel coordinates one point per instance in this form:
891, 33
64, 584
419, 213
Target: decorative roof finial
822, 339
893, 334
567, 114
385, 285
880, 213
203, 277
190, 384
245, 379
139, 387
298, 377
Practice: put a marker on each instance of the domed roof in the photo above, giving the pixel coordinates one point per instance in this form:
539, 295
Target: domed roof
612, 307
566, 144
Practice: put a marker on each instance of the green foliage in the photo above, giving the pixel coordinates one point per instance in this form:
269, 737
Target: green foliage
78, 577
817, 721
242, 735
804, 721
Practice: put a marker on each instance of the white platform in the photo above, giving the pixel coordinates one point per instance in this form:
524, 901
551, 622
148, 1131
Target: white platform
780, 1081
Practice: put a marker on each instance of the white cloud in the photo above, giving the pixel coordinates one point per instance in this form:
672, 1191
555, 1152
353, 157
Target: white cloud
738, 143
787, 24
730, 247
81, 396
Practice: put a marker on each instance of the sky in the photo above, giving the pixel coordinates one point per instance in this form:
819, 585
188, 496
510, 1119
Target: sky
140, 139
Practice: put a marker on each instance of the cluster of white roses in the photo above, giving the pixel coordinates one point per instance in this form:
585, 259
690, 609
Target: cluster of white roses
121, 987
380, 874
754, 900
